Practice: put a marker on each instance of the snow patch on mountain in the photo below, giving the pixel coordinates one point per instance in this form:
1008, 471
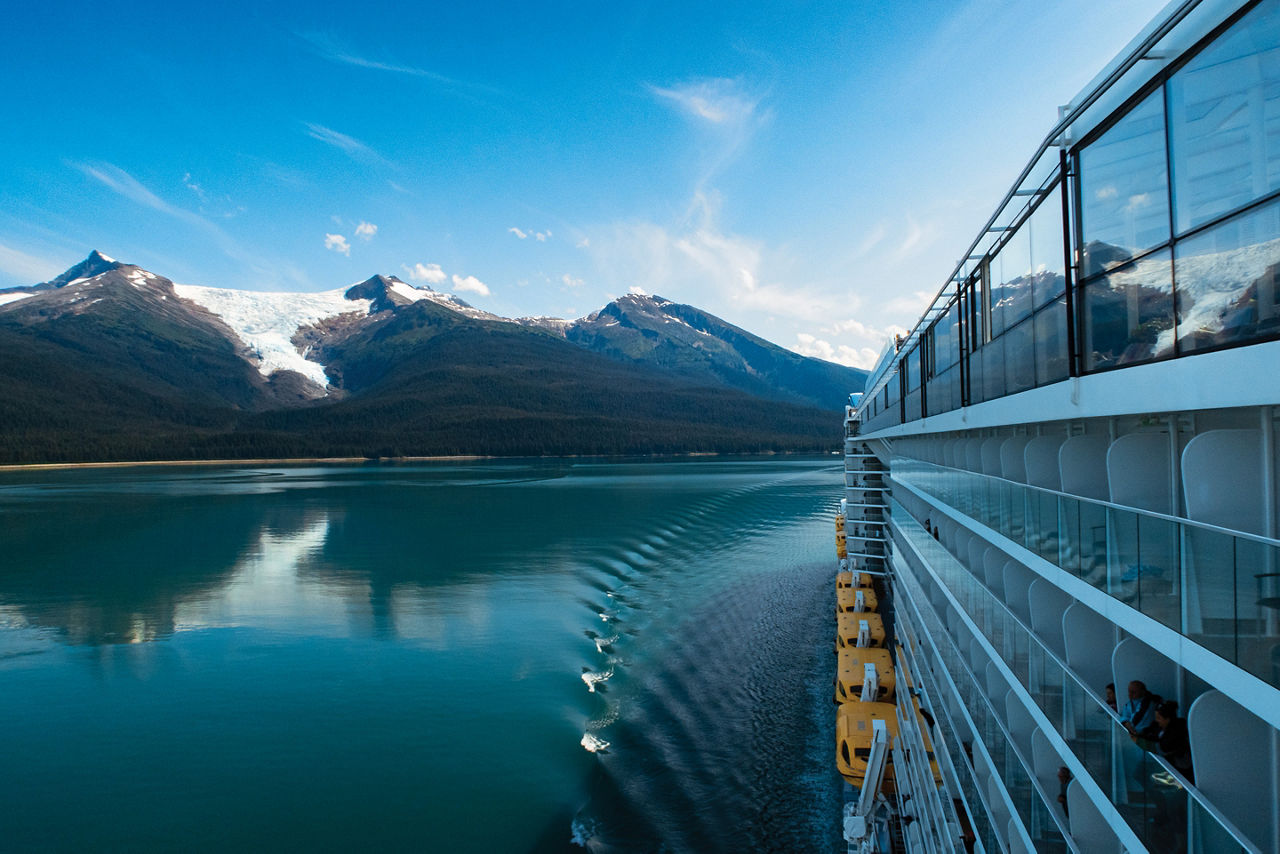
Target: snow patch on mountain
266, 322
408, 291
14, 297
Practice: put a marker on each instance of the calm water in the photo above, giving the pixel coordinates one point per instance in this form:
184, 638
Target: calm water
517, 656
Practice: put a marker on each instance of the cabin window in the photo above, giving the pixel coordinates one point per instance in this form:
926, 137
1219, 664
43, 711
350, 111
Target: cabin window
1124, 189
1224, 121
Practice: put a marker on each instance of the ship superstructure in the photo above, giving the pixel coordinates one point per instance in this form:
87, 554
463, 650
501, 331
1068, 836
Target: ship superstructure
1065, 480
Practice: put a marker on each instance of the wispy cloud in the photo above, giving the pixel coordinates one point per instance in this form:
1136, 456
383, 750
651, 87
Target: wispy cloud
570, 281
720, 101
121, 182
430, 273
366, 230
328, 47
27, 268
525, 234
195, 188
470, 284
349, 144
727, 109
337, 243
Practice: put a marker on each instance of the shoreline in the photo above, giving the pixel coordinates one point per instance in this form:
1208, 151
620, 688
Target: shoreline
261, 461
249, 462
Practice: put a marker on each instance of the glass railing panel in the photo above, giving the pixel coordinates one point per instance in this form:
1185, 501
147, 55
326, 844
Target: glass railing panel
1159, 580
1257, 626
1153, 802
1092, 543
1209, 570
1207, 835
1086, 726
1068, 535
1147, 796
1217, 588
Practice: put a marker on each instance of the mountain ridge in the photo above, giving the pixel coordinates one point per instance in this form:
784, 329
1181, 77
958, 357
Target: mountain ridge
148, 369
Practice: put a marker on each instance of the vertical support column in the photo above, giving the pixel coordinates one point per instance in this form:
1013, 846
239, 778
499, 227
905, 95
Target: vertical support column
1068, 269
1269, 471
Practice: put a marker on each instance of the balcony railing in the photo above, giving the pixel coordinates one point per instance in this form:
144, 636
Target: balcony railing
1150, 794
1217, 587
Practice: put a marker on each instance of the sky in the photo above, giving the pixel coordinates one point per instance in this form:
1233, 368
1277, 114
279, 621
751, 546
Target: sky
810, 171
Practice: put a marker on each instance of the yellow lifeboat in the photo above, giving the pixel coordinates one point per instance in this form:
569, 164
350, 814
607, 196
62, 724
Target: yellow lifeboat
851, 669
847, 600
839, 521
849, 625
855, 729
845, 579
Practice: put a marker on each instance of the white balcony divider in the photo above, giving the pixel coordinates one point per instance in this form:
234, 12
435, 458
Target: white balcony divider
1138, 472
1237, 766
1013, 463
991, 456
1082, 465
1041, 462
1222, 479
1090, 641
1090, 829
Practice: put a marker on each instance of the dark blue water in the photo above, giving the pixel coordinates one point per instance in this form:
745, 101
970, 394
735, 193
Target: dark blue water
516, 656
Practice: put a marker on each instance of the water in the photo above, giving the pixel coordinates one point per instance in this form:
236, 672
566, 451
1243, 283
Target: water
496, 656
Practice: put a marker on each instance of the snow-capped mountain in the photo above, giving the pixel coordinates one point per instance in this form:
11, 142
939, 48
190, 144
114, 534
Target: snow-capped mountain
108, 343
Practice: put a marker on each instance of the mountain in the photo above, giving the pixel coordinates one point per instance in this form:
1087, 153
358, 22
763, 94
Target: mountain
109, 361
690, 342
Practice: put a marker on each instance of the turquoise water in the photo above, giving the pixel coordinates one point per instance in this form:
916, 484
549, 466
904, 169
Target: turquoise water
493, 656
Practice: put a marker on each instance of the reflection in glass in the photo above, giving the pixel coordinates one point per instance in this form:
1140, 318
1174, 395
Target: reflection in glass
1019, 358
1011, 283
1227, 279
993, 369
1047, 260
1124, 192
1224, 120
1051, 343
1128, 314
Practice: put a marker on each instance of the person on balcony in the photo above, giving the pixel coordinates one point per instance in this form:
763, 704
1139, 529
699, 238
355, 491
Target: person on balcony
1171, 738
1138, 715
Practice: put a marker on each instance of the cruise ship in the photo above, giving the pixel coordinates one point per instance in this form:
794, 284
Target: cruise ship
1061, 486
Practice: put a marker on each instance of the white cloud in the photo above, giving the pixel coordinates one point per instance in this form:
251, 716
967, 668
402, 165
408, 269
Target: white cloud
366, 230
638, 291
570, 281
470, 284
517, 232
583, 243
720, 101
542, 236
843, 354
337, 243
430, 273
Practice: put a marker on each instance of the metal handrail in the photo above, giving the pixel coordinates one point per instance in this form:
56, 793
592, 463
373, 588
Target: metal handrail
1138, 511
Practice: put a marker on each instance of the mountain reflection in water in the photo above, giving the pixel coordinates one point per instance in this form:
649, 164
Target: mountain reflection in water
541, 656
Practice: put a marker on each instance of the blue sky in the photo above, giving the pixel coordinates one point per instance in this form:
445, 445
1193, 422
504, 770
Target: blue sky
807, 170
